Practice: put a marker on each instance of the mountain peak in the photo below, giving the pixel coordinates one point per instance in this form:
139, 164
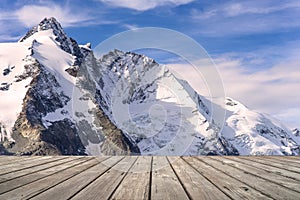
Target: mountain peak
66, 43
125, 103
49, 20
49, 23
45, 24
296, 132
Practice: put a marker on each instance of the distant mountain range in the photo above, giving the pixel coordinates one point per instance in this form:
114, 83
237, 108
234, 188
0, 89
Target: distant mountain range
57, 98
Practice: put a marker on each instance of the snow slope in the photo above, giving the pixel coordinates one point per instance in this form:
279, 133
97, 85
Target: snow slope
254, 133
158, 113
36, 99
121, 102
163, 115
14, 57
47, 52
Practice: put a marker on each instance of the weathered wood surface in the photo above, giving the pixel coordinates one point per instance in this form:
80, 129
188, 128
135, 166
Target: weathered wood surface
118, 177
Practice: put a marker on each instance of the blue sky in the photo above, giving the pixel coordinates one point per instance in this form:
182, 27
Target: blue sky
255, 44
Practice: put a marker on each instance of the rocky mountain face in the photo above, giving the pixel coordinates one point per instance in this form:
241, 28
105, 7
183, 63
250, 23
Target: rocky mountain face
296, 132
160, 113
164, 115
46, 80
59, 99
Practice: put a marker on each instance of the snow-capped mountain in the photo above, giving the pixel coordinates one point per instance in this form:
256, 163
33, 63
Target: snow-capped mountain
163, 115
57, 98
36, 95
254, 133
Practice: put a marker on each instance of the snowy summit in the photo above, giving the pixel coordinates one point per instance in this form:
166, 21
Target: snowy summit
58, 99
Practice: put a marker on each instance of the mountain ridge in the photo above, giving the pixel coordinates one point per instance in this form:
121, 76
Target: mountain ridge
72, 103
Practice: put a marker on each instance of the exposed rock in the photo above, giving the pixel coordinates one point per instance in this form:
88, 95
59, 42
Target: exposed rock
34, 136
296, 132
31, 136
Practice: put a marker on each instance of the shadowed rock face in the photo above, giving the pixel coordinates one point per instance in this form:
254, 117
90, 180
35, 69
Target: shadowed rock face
296, 132
46, 124
30, 135
112, 140
44, 96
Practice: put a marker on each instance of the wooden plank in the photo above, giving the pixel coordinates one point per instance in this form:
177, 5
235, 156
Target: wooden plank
29, 170
6, 158
274, 164
169, 178
268, 188
264, 166
72, 186
103, 187
293, 159
196, 185
13, 167
16, 160
284, 162
234, 188
139, 174
43, 184
275, 178
53, 168
165, 184
10, 159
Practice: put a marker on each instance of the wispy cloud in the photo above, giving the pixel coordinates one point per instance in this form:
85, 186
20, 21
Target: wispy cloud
8, 31
130, 26
4, 37
270, 90
246, 17
237, 8
26, 16
143, 5
30, 15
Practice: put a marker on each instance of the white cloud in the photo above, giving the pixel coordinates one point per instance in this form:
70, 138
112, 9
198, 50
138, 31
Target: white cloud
16, 22
8, 31
290, 116
254, 7
234, 8
272, 90
130, 26
5, 37
246, 17
142, 5
31, 15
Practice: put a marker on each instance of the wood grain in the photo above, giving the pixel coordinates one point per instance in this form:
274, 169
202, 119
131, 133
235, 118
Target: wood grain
149, 177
